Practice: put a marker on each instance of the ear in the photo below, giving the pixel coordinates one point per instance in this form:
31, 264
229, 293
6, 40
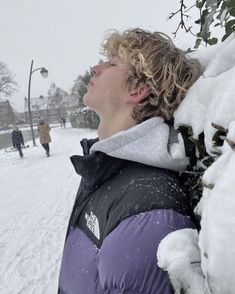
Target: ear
138, 94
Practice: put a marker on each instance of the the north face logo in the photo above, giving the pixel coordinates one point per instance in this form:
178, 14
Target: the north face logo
93, 224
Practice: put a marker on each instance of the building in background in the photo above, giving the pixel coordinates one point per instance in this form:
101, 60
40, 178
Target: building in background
52, 108
8, 116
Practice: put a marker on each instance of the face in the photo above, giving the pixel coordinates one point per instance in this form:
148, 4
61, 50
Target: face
107, 90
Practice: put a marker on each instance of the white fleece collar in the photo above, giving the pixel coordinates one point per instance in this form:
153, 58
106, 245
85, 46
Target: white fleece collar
147, 143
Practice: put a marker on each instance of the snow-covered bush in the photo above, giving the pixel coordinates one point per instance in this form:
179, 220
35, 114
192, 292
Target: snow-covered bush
84, 118
209, 109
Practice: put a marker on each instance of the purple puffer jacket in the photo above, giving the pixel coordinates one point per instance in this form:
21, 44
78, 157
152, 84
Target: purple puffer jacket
126, 261
122, 211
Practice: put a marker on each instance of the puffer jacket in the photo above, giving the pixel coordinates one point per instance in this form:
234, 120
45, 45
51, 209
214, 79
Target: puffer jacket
17, 138
43, 131
123, 209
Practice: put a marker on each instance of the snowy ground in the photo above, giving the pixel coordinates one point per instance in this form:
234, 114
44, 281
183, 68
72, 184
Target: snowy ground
37, 194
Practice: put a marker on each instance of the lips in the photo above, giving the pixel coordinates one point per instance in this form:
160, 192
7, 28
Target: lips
91, 83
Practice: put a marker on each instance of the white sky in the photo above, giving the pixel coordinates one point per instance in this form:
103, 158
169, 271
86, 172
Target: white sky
65, 36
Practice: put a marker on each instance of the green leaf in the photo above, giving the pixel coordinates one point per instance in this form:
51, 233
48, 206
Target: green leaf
232, 11
200, 4
229, 27
200, 144
212, 41
225, 37
231, 7
207, 161
190, 150
222, 15
206, 22
211, 3
197, 43
218, 138
223, 4
230, 3
204, 14
198, 21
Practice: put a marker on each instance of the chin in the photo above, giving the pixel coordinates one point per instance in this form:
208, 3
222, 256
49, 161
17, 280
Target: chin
86, 100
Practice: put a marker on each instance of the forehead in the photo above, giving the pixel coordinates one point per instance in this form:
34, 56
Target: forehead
115, 57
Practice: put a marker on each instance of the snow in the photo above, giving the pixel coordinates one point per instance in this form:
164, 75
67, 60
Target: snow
210, 99
179, 255
37, 194
217, 235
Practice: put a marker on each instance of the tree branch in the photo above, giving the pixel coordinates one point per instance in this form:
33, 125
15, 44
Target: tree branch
182, 25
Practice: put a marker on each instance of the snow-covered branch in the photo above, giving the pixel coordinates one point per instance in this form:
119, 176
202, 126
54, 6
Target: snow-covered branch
209, 108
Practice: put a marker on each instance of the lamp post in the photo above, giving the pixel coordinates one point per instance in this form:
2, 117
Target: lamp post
48, 97
44, 73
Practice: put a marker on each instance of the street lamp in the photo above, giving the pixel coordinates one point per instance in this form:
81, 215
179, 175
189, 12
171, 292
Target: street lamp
44, 73
48, 97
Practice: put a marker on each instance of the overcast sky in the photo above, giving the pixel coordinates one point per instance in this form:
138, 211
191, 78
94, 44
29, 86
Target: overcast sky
65, 36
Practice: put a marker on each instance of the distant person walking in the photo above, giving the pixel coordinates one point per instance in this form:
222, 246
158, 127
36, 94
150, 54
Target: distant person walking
45, 138
17, 140
63, 122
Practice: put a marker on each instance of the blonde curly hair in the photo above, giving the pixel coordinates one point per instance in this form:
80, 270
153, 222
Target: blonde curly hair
153, 60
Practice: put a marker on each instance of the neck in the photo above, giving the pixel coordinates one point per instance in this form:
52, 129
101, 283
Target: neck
108, 128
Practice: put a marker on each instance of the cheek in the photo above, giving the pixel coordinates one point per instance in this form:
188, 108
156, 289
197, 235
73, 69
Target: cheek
113, 86
85, 99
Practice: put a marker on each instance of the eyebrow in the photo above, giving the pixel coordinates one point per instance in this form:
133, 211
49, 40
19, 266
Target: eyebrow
116, 58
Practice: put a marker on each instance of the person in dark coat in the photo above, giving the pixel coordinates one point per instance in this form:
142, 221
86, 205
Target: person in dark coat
130, 196
44, 135
63, 122
17, 140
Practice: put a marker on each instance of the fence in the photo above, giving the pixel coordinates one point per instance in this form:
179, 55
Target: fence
6, 141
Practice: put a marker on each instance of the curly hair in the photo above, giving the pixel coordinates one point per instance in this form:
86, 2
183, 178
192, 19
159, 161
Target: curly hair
153, 60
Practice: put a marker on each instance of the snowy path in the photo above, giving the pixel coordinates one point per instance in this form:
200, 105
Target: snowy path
36, 198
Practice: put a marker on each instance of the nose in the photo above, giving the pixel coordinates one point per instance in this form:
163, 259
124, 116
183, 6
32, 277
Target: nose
99, 68
95, 70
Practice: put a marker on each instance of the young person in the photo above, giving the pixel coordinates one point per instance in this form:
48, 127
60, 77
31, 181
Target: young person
63, 122
17, 140
44, 135
131, 195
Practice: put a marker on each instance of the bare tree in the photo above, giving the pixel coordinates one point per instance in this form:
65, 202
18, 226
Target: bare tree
57, 97
212, 13
80, 86
56, 94
7, 83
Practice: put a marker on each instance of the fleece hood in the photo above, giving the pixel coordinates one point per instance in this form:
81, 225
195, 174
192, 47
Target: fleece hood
152, 143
